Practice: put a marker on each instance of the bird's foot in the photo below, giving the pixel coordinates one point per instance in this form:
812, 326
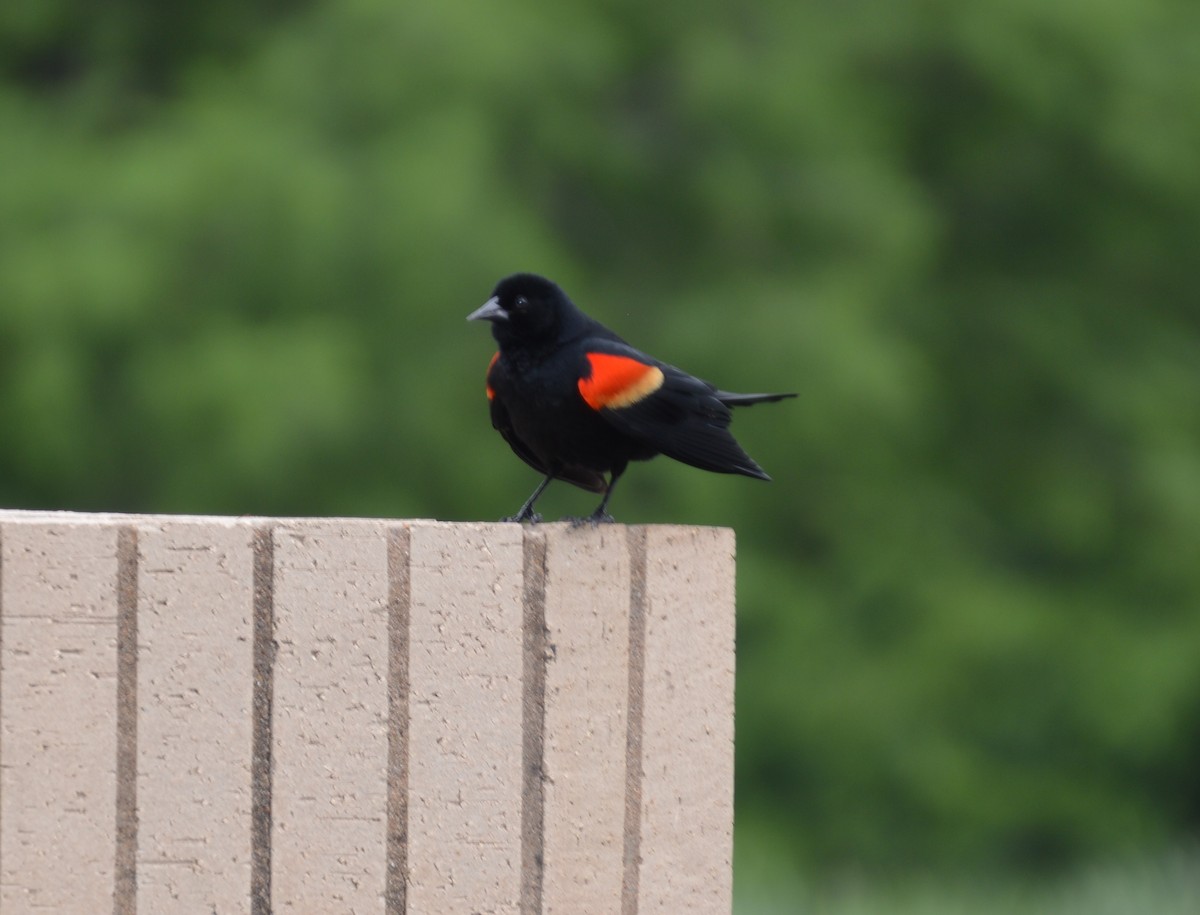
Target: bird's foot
521, 517
594, 519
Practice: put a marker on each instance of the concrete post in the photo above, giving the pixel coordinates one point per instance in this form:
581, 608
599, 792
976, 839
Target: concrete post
300, 715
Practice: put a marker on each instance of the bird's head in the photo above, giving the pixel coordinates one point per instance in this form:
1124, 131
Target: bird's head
525, 310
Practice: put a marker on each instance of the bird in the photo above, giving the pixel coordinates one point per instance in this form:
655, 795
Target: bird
575, 402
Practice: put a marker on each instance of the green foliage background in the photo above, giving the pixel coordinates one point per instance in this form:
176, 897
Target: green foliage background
238, 241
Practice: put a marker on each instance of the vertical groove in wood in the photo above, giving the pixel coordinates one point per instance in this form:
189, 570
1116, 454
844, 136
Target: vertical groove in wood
399, 610
263, 701
533, 722
125, 872
633, 738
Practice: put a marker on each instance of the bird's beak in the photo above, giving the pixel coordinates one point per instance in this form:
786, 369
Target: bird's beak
489, 311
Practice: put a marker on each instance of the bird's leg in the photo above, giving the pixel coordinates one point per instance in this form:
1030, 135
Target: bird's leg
527, 513
601, 515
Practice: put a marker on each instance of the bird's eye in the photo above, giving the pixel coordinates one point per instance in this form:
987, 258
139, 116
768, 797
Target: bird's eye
521, 303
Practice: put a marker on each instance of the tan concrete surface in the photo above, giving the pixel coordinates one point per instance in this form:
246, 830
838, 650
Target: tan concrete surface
687, 737
587, 681
328, 844
58, 737
195, 682
452, 717
465, 669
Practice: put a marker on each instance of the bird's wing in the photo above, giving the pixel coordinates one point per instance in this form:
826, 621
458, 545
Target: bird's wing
664, 407
502, 424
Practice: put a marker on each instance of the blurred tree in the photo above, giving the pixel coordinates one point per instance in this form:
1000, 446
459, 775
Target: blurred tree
237, 244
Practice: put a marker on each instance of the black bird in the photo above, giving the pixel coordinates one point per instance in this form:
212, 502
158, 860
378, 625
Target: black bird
575, 401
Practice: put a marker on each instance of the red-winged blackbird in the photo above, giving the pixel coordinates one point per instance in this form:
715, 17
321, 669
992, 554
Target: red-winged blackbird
574, 400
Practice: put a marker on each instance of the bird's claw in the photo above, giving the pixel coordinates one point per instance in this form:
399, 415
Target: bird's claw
593, 520
531, 517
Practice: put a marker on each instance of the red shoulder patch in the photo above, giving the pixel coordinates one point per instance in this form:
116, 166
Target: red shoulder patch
490, 393
618, 381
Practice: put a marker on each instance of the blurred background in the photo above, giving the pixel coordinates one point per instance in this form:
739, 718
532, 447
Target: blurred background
238, 242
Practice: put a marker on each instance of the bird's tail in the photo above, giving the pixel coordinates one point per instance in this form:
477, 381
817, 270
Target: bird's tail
745, 400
